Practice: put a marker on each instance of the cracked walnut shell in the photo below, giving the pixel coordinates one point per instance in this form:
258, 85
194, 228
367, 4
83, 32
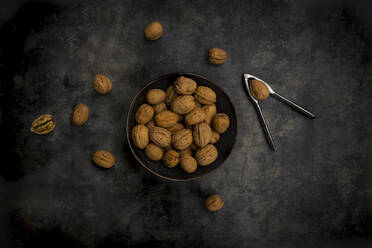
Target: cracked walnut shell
43, 124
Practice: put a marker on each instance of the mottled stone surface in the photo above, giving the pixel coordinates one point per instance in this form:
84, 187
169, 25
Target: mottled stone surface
314, 191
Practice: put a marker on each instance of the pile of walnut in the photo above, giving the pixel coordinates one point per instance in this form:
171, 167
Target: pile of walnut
180, 126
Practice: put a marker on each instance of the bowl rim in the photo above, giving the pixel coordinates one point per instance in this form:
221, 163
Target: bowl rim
129, 133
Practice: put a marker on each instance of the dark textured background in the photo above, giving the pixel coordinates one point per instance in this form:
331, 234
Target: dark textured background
314, 191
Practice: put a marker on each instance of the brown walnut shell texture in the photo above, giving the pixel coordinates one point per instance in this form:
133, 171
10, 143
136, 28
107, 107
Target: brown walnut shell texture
182, 139
80, 114
150, 124
102, 84
104, 159
155, 96
140, 136
220, 122
217, 56
205, 95
185, 86
183, 104
210, 110
171, 158
214, 203
160, 136
43, 124
153, 31
195, 116
202, 134
154, 152
215, 137
160, 107
188, 163
176, 127
166, 118
171, 95
144, 114
258, 89
206, 155
186, 151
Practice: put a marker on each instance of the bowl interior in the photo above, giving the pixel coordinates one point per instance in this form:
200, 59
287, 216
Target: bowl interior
224, 145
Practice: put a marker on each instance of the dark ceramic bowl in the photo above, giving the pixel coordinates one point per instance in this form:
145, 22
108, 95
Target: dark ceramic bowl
224, 145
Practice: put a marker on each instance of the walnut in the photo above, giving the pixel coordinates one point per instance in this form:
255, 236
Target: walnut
102, 84
214, 203
80, 114
140, 136
150, 124
188, 163
186, 151
205, 95
206, 155
258, 89
195, 116
171, 158
144, 114
154, 152
210, 110
193, 147
217, 56
215, 137
166, 118
160, 136
160, 107
201, 134
155, 96
220, 122
182, 139
176, 127
183, 104
104, 159
43, 124
185, 86
153, 31
171, 95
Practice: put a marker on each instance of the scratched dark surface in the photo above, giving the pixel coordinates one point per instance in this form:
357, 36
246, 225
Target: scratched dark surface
314, 191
